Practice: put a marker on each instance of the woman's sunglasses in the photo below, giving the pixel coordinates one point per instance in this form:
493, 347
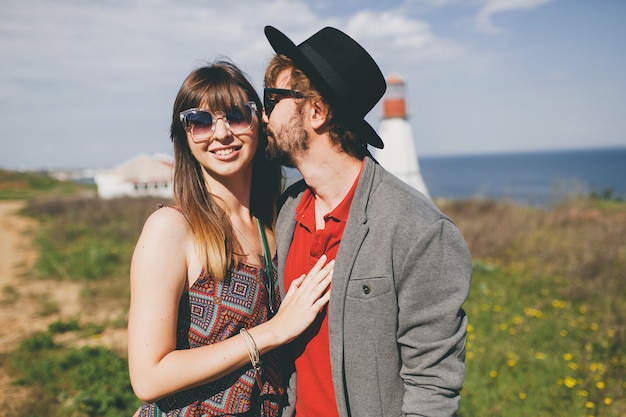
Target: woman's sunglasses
201, 123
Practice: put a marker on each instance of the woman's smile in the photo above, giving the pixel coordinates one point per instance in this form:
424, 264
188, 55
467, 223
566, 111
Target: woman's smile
226, 153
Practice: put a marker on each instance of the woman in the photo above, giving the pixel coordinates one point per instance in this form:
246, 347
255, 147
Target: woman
203, 298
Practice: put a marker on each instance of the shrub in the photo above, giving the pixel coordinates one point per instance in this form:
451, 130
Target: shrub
85, 381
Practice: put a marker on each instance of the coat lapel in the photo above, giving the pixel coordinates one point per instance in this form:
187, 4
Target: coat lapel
285, 226
353, 236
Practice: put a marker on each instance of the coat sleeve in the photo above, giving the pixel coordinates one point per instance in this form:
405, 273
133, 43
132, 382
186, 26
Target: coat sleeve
432, 287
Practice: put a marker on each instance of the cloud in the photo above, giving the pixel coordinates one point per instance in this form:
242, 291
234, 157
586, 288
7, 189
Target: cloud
437, 3
95, 80
101, 76
90, 83
393, 37
558, 76
484, 19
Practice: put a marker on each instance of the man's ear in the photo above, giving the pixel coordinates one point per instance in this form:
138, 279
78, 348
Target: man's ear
319, 113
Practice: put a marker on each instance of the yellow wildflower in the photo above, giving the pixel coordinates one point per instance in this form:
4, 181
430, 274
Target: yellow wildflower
597, 367
569, 382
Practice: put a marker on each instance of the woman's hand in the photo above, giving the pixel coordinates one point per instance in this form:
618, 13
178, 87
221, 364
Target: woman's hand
306, 297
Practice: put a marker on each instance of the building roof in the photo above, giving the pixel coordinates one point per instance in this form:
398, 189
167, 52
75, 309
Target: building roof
144, 168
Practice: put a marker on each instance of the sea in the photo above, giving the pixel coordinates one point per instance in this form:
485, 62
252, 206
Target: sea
530, 178
527, 178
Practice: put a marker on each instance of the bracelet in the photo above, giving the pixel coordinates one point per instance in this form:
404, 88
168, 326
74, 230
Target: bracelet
253, 353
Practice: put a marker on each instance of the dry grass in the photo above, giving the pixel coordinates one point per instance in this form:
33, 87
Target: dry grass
581, 243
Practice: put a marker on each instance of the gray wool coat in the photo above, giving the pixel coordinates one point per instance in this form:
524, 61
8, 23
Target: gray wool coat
396, 323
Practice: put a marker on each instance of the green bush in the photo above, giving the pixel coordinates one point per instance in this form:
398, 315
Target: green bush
85, 381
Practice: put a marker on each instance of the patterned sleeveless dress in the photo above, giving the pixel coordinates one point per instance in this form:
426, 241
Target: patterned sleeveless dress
212, 311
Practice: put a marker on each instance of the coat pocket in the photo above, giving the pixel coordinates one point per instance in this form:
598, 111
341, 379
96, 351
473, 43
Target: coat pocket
371, 355
369, 288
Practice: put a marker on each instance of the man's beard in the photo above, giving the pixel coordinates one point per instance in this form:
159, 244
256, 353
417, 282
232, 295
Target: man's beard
288, 144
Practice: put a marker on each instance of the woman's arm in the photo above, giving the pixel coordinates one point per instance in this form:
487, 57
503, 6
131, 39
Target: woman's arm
159, 273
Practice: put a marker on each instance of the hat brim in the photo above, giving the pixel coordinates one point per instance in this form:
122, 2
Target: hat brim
284, 46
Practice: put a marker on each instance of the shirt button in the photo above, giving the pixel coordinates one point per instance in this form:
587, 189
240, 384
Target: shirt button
366, 289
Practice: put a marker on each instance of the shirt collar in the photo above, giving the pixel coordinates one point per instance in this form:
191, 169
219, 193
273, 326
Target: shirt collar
339, 213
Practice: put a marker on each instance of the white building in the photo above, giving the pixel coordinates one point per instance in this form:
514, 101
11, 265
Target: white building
140, 176
399, 155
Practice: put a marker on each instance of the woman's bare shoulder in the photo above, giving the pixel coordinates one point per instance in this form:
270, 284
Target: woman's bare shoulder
167, 220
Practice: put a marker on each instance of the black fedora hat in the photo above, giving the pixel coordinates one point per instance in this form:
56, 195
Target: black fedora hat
341, 69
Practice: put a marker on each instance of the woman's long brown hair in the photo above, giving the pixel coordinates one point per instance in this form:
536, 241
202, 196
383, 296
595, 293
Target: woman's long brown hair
221, 86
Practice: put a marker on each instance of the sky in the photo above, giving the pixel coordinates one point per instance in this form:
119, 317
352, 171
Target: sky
91, 83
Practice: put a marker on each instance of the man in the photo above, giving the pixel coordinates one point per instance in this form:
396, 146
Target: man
392, 341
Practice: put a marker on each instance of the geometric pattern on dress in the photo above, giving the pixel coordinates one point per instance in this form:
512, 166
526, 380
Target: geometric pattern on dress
227, 306
211, 311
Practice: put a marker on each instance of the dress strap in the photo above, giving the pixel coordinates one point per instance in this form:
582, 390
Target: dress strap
269, 267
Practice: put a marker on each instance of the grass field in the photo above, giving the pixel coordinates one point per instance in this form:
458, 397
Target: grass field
547, 308
25, 185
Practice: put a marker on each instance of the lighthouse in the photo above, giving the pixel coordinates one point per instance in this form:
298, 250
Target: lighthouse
398, 156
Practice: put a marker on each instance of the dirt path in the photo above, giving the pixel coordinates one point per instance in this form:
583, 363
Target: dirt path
26, 305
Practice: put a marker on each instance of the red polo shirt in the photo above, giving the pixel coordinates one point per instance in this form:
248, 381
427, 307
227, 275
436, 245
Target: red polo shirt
315, 393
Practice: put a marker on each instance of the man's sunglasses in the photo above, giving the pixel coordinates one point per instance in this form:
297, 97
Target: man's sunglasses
271, 96
201, 123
